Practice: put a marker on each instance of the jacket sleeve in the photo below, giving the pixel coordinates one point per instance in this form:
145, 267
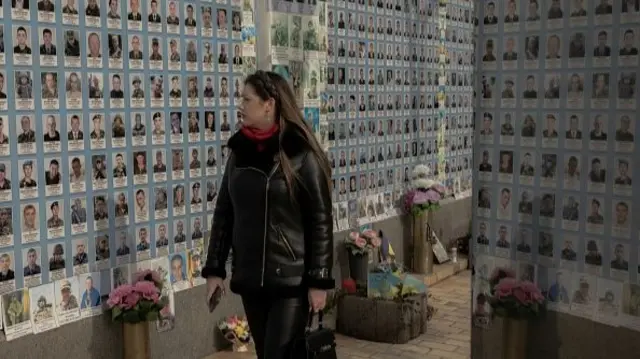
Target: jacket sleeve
221, 231
318, 217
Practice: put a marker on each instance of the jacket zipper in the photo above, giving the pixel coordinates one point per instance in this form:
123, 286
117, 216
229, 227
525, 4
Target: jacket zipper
286, 244
266, 217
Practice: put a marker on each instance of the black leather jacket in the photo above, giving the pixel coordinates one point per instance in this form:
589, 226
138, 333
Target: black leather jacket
277, 243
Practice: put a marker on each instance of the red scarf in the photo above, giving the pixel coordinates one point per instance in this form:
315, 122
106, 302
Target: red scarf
259, 136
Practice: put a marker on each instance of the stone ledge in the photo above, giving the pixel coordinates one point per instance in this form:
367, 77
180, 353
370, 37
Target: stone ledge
444, 271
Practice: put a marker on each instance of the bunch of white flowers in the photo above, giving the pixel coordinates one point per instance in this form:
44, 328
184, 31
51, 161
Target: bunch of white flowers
420, 177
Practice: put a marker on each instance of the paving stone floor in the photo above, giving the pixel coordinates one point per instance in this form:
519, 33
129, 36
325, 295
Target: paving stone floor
448, 335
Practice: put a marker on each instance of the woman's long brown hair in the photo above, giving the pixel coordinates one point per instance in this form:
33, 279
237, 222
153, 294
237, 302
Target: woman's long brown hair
270, 85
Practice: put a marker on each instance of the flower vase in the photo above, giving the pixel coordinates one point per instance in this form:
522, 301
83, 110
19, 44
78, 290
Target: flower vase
240, 347
421, 238
359, 268
514, 339
136, 341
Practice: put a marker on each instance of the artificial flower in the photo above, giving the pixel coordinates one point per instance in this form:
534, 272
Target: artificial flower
420, 171
420, 197
499, 273
114, 300
119, 294
372, 237
513, 298
505, 287
147, 290
423, 183
369, 233
235, 329
349, 285
141, 301
533, 291
360, 242
130, 301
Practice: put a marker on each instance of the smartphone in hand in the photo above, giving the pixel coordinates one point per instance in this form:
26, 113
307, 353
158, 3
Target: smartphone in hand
215, 299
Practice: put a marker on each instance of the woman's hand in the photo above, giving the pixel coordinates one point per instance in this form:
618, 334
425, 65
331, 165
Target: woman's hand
317, 299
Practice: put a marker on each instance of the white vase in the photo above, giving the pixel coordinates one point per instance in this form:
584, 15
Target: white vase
240, 347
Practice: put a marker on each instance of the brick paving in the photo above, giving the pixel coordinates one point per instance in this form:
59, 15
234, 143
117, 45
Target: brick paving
448, 335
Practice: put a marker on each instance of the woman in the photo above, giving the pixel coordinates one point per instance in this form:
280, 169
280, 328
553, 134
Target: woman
178, 196
274, 210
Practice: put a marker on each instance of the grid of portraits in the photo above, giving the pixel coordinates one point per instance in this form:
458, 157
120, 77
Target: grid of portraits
113, 123
459, 99
555, 162
298, 52
384, 114
48, 306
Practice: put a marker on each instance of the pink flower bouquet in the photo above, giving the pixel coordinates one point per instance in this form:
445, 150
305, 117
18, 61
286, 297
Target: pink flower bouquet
361, 243
417, 201
498, 274
140, 301
515, 299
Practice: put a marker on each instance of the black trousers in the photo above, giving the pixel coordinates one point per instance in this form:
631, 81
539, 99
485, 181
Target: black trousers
275, 322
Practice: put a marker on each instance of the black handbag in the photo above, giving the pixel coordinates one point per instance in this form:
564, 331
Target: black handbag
319, 343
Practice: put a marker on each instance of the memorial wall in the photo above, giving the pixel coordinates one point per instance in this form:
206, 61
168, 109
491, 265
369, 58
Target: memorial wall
554, 194
398, 91
113, 123
114, 118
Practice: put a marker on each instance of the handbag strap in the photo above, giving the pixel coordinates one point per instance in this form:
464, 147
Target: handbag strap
312, 314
